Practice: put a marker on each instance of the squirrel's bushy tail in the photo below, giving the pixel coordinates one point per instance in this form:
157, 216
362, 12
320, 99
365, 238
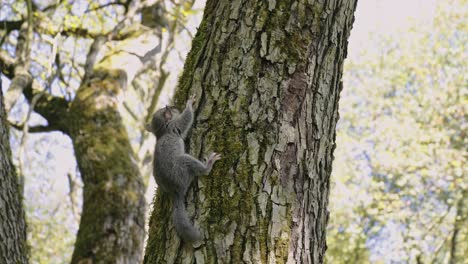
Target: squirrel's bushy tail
184, 228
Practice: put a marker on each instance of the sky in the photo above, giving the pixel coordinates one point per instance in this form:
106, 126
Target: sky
386, 18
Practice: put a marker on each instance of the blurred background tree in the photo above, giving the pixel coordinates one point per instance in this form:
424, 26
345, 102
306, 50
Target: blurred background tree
92, 72
400, 185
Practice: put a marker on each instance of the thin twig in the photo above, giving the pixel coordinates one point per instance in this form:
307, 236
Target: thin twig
32, 104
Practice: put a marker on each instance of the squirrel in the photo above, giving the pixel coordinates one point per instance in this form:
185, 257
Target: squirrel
174, 170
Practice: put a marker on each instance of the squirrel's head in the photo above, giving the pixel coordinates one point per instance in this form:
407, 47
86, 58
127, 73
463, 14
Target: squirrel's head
161, 119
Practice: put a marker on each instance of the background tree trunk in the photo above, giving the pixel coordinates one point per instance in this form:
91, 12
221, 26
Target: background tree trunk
268, 77
13, 247
112, 221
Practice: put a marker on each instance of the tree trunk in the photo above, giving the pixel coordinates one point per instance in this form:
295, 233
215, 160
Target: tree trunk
268, 77
13, 247
112, 221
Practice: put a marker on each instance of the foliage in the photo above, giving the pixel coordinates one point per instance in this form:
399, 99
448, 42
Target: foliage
399, 176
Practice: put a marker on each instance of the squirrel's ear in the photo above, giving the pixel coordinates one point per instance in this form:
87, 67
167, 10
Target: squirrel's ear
167, 114
148, 127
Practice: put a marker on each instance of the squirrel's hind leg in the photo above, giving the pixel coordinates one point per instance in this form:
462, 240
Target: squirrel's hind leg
193, 166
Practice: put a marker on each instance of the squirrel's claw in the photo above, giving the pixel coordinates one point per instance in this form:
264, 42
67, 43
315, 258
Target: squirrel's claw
214, 156
191, 101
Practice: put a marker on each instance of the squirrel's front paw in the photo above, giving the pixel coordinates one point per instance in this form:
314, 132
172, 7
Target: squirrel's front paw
191, 101
214, 157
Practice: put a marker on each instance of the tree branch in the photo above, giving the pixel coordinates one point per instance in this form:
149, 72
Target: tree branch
45, 26
92, 55
134, 6
34, 129
10, 25
52, 6
52, 108
106, 5
7, 64
21, 78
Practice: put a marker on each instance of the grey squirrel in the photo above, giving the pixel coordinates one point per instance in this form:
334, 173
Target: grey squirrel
174, 169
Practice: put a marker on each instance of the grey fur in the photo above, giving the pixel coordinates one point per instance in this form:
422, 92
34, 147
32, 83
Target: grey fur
174, 170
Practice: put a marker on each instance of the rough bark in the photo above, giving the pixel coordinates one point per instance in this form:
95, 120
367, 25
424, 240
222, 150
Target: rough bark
13, 247
268, 75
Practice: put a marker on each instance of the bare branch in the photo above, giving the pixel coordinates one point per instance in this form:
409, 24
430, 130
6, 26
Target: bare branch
44, 25
7, 64
163, 75
106, 5
133, 7
92, 55
10, 25
50, 107
34, 129
52, 6
21, 78
23, 48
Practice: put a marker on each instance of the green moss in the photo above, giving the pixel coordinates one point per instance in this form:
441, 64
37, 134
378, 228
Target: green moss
237, 249
230, 142
262, 234
282, 244
159, 220
191, 62
281, 250
113, 188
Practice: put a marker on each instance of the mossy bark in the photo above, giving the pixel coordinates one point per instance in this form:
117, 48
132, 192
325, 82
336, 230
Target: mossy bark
112, 222
13, 247
268, 78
